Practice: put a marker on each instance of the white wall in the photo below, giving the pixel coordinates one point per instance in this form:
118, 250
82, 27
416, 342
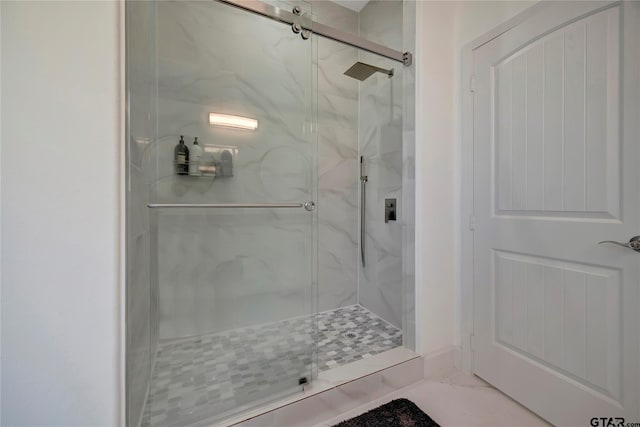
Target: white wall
443, 28
61, 142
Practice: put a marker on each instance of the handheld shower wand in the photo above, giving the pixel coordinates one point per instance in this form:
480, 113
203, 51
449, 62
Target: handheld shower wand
363, 200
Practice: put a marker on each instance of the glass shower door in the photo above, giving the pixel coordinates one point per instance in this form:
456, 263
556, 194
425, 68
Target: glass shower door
236, 223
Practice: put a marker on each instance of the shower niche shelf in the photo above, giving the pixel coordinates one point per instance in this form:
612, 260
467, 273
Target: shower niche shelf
217, 161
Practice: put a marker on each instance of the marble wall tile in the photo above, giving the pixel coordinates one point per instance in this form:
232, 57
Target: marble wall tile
381, 22
268, 166
329, 13
236, 268
352, 118
224, 270
337, 161
381, 144
337, 170
213, 58
337, 248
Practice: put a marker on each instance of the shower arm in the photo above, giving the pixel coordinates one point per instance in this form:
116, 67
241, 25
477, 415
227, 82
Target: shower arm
363, 202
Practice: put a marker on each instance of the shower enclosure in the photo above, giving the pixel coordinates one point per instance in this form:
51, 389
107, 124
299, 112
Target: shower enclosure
252, 265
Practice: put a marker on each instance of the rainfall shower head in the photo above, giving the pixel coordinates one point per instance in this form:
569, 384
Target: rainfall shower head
362, 71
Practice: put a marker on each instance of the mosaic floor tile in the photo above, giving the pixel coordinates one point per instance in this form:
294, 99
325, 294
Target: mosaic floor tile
199, 377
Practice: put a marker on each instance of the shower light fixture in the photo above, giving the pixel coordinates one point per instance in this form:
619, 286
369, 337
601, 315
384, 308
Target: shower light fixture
236, 122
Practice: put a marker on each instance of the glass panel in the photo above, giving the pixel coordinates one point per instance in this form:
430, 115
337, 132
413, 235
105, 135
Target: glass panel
234, 284
140, 310
215, 58
380, 145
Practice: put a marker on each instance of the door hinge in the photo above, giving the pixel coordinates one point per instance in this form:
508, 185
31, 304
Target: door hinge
472, 346
472, 83
472, 223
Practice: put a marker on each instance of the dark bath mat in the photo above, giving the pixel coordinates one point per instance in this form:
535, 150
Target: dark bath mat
397, 413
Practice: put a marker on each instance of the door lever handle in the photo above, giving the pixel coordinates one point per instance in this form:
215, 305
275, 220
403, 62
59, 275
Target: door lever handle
634, 243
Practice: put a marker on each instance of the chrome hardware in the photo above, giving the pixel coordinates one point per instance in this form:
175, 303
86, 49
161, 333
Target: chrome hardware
363, 177
363, 208
284, 16
634, 243
296, 28
407, 59
309, 205
223, 205
296, 10
305, 34
362, 71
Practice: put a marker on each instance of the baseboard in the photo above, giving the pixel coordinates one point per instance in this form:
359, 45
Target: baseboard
457, 358
440, 363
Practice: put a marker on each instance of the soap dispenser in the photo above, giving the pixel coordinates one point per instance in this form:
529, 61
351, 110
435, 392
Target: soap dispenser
194, 162
181, 157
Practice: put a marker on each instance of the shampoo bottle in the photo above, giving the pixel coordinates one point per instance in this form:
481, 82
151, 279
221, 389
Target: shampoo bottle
194, 162
181, 157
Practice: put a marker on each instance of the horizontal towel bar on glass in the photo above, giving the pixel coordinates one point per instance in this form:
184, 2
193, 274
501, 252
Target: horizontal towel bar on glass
224, 205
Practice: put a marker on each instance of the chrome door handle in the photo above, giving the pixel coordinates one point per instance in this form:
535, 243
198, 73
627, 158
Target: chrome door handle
634, 243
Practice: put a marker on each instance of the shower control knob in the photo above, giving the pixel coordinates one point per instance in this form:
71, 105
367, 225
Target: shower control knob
310, 205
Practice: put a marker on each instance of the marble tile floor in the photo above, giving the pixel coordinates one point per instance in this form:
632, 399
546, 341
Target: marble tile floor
197, 378
457, 400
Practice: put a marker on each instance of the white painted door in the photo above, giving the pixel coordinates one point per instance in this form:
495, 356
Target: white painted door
556, 153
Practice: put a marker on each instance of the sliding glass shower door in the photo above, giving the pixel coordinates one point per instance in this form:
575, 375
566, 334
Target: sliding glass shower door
235, 216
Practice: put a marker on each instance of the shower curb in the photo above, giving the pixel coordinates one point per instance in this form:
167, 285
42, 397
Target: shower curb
334, 392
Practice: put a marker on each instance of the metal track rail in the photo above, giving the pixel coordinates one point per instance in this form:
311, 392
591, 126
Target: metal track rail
286, 17
224, 205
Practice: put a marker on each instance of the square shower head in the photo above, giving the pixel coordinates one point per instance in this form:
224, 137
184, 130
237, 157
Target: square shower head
362, 71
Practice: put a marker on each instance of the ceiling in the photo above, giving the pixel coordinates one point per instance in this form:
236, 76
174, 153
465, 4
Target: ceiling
355, 5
